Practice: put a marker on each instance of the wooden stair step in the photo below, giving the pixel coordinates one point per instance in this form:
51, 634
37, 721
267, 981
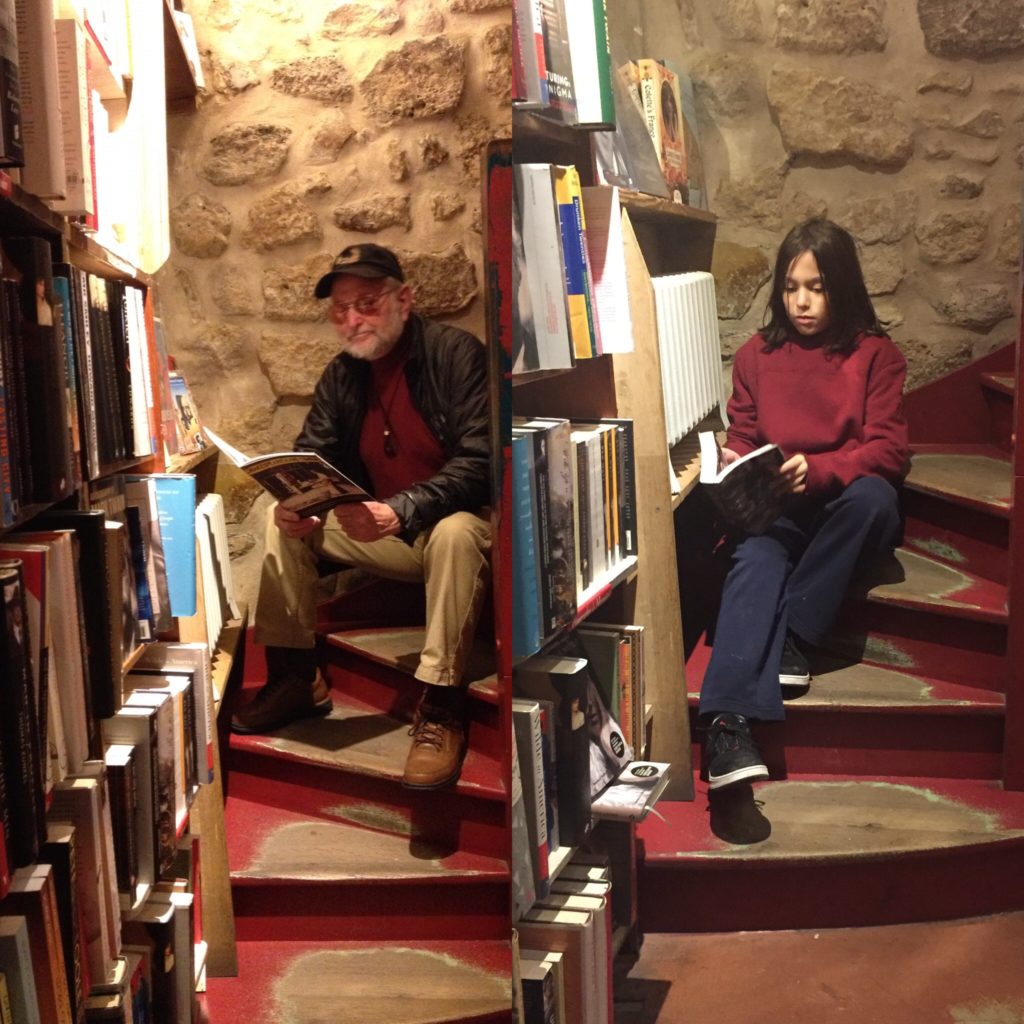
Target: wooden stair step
825, 852
841, 685
443, 982
340, 845
357, 738
399, 647
915, 581
1001, 382
328, 876
980, 477
860, 719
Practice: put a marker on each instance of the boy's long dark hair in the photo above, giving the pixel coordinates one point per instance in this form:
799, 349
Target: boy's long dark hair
850, 310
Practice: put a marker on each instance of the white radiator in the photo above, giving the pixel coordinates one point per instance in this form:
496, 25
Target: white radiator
691, 353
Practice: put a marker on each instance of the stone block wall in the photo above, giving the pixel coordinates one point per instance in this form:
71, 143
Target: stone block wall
322, 123
903, 120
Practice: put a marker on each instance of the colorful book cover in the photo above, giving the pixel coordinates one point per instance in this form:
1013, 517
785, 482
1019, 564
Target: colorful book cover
176, 504
663, 109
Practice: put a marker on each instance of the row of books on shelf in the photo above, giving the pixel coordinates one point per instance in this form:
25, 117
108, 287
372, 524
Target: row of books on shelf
574, 521
565, 948
569, 279
566, 74
67, 656
66, 956
575, 761
66, 132
85, 381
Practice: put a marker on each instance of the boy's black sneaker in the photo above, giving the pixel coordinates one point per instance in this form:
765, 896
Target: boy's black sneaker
730, 752
793, 669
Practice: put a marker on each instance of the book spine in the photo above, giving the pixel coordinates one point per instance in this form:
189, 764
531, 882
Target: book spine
531, 754
542, 519
627, 487
6, 1016
526, 634
17, 389
583, 513
122, 782
40, 103
61, 856
74, 111
574, 265
62, 290
576, 191
12, 151
7, 495
18, 724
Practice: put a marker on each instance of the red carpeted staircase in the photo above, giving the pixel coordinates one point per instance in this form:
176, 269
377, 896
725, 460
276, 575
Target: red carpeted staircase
357, 900
886, 803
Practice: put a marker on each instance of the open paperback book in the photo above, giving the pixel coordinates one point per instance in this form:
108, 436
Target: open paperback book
746, 492
301, 481
634, 792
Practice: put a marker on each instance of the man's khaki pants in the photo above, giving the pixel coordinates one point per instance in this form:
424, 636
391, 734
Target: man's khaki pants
451, 559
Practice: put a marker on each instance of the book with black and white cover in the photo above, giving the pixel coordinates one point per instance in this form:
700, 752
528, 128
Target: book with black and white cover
634, 792
303, 482
529, 744
565, 681
746, 492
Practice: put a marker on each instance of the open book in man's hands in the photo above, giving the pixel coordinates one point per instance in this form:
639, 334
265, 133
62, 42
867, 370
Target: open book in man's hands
301, 481
746, 492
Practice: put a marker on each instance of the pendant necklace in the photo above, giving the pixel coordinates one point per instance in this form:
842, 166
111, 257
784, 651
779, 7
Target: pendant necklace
390, 448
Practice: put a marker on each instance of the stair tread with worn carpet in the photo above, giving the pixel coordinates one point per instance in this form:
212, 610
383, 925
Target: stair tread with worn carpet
913, 580
443, 982
358, 842
830, 851
981, 477
359, 738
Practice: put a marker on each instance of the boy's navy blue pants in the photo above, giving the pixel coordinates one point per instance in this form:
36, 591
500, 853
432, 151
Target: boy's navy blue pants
793, 577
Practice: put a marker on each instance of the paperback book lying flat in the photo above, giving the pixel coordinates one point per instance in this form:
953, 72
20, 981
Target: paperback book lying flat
746, 492
301, 481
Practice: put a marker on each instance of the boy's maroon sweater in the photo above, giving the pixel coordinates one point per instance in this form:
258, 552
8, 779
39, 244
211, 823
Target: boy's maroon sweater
845, 413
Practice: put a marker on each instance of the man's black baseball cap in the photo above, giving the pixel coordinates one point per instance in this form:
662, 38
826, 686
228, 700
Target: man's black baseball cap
364, 260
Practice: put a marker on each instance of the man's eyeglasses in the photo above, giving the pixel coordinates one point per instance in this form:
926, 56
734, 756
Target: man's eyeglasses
365, 305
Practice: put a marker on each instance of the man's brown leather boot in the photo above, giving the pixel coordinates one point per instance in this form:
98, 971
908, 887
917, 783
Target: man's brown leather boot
294, 689
438, 746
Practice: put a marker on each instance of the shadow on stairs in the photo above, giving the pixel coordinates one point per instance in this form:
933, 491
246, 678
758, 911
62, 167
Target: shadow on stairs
355, 899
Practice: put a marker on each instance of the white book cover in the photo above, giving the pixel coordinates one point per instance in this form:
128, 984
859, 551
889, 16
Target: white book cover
43, 173
74, 111
608, 268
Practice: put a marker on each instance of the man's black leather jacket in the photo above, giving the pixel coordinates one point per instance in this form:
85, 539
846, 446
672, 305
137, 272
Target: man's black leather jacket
447, 375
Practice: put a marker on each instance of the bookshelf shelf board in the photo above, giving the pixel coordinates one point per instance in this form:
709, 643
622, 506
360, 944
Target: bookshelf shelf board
593, 597
129, 662
225, 654
187, 463
685, 459
643, 206
25, 212
597, 593
532, 376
